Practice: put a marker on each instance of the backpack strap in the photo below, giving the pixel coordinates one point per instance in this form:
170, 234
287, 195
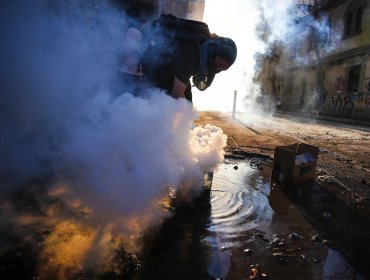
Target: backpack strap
180, 28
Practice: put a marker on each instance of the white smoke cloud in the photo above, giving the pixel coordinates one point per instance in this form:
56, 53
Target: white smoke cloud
129, 150
58, 116
109, 159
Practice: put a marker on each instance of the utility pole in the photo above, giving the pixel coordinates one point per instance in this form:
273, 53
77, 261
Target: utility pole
234, 105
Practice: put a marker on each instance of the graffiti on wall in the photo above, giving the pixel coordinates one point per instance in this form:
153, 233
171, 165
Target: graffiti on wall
348, 105
338, 85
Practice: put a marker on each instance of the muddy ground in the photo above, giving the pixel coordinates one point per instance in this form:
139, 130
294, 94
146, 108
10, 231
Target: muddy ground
342, 171
239, 210
344, 149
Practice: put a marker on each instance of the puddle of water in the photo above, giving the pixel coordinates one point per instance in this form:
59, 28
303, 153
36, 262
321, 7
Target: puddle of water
208, 238
247, 214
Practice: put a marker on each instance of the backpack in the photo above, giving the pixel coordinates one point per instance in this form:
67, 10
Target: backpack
178, 28
164, 31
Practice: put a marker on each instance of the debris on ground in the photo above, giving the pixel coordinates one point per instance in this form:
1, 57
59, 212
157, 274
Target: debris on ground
256, 273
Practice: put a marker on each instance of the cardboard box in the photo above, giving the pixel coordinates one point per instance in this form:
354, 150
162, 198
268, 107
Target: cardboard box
295, 163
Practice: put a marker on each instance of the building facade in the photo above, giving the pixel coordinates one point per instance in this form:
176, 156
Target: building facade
190, 9
327, 69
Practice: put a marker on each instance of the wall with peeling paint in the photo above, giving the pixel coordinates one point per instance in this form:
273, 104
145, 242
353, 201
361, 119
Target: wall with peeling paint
306, 89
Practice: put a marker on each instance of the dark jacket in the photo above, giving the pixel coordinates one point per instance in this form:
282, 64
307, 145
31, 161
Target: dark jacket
174, 51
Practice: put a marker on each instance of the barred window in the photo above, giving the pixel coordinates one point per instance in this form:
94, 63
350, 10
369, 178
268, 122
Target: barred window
353, 18
353, 78
358, 22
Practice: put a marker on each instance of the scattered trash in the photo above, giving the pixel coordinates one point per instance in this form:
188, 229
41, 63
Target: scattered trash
295, 236
302, 258
327, 179
282, 257
327, 215
172, 193
260, 235
248, 252
316, 238
295, 163
315, 260
277, 242
256, 273
256, 164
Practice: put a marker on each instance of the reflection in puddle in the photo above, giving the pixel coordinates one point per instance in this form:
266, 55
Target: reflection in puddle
239, 202
247, 214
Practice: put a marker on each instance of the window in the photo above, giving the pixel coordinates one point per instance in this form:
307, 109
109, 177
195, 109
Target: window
353, 18
358, 19
353, 78
348, 24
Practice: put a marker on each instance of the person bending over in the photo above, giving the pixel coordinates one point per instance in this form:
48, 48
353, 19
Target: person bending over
182, 50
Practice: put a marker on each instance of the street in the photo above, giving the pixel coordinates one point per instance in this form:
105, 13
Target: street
340, 211
344, 149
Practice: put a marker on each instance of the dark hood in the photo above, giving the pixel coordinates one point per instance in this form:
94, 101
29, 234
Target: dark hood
220, 46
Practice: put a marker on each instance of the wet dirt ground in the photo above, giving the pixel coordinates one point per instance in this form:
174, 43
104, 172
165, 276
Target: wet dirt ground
343, 171
319, 230
344, 149
237, 219
243, 220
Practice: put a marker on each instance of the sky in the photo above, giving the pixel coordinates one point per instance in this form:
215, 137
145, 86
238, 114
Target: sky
242, 18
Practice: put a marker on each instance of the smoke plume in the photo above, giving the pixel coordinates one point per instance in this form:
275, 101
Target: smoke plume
84, 172
258, 27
